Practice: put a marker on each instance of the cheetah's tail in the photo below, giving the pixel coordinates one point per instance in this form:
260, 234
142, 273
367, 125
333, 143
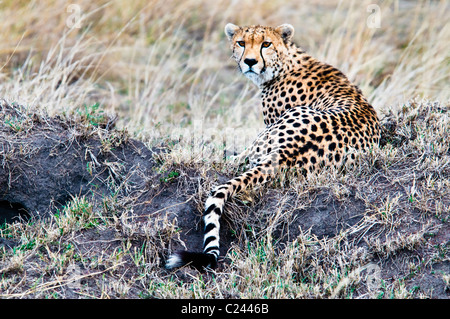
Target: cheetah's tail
208, 258
211, 217
196, 260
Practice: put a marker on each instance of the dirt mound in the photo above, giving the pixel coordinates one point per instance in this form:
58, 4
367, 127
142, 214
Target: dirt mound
46, 161
391, 209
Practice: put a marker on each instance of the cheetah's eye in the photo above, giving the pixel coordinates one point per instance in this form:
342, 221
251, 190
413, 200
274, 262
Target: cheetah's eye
266, 44
241, 43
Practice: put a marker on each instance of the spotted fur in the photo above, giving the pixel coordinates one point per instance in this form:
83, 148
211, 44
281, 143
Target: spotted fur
313, 114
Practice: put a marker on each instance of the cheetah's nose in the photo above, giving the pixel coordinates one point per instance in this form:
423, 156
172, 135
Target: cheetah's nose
250, 62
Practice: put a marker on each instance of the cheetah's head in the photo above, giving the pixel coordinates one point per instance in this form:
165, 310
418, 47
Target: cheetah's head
259, 50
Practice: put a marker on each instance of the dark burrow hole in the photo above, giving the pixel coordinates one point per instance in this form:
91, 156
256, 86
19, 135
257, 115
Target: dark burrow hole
11, 212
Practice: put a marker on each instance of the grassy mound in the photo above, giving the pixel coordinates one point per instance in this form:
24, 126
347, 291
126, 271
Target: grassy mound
379, 229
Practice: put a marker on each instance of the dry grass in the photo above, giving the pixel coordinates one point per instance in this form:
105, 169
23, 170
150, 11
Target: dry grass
163, 68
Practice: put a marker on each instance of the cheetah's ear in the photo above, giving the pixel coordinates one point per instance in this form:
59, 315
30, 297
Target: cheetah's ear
230, 30
286, 31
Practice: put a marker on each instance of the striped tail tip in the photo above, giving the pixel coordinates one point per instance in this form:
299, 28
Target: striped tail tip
196, 260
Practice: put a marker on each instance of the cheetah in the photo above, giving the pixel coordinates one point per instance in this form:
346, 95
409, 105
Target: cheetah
313, 115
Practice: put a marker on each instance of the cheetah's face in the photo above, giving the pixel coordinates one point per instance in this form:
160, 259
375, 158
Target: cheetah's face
258, 50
